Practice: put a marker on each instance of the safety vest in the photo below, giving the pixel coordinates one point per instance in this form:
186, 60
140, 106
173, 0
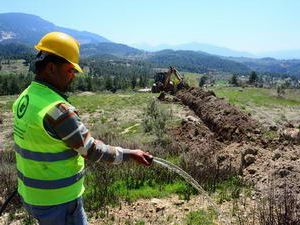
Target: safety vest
49, 172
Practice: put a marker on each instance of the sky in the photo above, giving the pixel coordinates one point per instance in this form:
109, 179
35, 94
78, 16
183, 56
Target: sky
246, 25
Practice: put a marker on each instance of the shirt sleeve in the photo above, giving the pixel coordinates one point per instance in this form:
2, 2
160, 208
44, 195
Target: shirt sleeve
62, 122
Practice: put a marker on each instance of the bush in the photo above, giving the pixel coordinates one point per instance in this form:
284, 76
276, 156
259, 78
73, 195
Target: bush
8, 179
280, 210
155, 121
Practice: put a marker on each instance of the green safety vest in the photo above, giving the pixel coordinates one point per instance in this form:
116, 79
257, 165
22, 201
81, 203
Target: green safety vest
49, 172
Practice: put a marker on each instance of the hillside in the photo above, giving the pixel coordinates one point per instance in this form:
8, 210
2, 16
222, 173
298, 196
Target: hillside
195, 46
28, 29
198, 62
14, 50
114, 49
271, 65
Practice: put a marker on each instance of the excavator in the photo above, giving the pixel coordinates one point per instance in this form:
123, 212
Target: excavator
170, 81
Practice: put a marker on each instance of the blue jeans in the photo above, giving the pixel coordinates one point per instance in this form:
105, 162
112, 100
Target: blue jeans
70, 213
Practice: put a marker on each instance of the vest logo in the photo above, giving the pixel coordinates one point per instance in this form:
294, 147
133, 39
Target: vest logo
22, 106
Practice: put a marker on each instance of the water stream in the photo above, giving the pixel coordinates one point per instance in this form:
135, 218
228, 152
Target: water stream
221, 217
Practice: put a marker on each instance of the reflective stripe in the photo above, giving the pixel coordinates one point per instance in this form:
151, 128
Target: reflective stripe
73, 132
119, 155
15, 133
50, 184
19, 129
45, 157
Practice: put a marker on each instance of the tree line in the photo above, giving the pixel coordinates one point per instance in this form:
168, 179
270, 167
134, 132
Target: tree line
101, 75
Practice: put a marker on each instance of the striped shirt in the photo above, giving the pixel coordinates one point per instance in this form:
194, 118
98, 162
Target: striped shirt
62, 122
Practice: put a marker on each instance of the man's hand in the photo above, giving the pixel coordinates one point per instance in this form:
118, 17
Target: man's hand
141, 157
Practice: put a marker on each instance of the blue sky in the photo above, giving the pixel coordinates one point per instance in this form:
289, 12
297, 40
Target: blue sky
246, 25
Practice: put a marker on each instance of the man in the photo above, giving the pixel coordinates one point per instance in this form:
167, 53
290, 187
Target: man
52, 142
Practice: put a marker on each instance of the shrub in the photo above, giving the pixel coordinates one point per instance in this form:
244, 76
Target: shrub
155, 121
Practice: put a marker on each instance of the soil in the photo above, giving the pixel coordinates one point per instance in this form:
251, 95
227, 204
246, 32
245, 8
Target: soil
152, 211
225, 141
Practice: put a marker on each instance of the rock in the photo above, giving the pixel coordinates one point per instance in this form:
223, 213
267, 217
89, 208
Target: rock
282, 185
291, 134
283, 172
257, 131
294, 158
264, 142
251, 171
276, 155
179, 202
249, 159
221, 158
273, 128
290, 168
251, 151
155, 201
159, 208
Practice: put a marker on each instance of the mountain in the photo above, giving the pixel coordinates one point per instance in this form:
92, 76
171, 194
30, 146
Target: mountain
28, 29
114, 49
270, 65
199, 62
19, 32
195, 46
283, 54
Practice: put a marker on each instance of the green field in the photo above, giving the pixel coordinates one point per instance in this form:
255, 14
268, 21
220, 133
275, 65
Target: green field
258, 96
192, 79
118, 118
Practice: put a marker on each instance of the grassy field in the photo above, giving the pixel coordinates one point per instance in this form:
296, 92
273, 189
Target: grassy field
122, 113
264, 105
258, 96
15, 66
118, 118
192, 79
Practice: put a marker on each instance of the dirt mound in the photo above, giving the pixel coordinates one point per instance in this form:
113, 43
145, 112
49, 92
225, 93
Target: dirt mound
199, 146
225, 120
226, 141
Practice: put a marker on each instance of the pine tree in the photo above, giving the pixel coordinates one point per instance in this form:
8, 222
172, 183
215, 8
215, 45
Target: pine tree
234, 80
203, 80
253, 78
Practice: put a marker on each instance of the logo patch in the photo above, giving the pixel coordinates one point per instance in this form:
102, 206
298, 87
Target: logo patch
22, 106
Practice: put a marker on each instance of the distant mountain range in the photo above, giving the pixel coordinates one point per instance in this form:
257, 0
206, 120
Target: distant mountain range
221, 51
283, 54
270, 65
19, 32
28, 29
200, 62
194, 46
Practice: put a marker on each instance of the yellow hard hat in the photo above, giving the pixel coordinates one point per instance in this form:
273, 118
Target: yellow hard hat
63, 45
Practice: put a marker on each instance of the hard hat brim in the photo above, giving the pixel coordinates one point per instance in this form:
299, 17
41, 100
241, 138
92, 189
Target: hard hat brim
77, 67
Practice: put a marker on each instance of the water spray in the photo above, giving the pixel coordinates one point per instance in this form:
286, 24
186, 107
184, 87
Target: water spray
195, 184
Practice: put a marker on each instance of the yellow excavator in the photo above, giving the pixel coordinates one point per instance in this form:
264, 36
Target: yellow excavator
170, 81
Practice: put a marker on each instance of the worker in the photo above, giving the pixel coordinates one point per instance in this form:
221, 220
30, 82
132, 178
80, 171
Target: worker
52, 143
